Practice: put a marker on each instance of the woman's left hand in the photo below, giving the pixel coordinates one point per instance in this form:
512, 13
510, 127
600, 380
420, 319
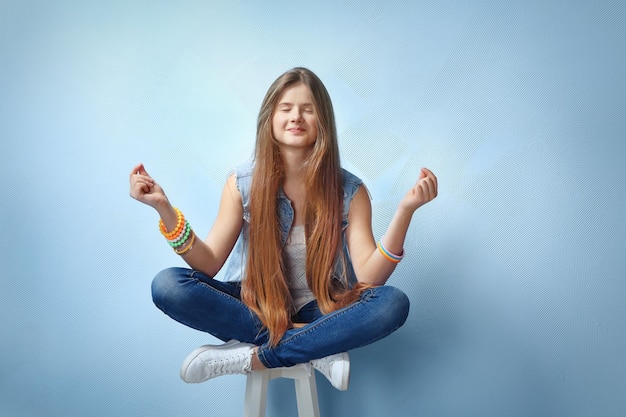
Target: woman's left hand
422, 192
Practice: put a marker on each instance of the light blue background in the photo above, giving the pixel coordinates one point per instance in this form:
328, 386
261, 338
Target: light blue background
516, 272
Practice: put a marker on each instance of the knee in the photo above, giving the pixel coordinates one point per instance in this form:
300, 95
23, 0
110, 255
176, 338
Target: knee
164, 287
398, 305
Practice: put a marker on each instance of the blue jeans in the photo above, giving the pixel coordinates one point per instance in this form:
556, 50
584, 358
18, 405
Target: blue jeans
203, 303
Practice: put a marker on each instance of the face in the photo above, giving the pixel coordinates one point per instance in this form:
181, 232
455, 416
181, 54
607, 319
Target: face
294, 122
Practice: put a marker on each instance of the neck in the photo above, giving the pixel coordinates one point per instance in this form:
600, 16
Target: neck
294, 161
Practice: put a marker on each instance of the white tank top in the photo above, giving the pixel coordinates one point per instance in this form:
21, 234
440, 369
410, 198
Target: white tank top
295, 262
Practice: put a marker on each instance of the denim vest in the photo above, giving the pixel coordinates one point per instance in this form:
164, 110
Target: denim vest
237, 260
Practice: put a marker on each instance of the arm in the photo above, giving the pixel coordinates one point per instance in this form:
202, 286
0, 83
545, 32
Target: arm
369, 264
206, 256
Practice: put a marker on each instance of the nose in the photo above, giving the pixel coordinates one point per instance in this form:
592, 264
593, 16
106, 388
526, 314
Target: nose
296, 115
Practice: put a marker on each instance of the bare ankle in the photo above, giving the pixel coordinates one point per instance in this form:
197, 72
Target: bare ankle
256, 365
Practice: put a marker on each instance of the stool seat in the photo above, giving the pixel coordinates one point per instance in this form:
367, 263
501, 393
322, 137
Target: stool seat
306, 390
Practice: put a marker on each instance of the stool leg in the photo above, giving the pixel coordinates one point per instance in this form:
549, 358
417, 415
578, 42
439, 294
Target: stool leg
256, 394
306, 395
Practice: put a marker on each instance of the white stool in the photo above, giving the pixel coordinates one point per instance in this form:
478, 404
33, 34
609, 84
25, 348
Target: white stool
306, 390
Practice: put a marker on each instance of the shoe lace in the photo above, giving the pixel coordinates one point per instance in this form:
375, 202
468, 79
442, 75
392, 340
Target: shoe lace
233, 364
323, 365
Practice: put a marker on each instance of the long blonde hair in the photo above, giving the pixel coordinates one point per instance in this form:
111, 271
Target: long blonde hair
265, 289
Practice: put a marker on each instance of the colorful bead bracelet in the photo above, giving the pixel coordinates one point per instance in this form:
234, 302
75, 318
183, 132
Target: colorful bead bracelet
182, 238
180, 235
178, 230
188, 248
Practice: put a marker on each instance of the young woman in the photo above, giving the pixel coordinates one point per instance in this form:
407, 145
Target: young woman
305, 279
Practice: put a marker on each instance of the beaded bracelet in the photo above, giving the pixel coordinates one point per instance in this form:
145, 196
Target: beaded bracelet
392, 257
188, 248
182, 238
179, 236
178, 230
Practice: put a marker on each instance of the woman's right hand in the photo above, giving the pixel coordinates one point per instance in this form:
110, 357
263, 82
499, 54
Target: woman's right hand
145, 189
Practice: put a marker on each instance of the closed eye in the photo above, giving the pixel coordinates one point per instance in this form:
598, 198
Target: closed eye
287, 107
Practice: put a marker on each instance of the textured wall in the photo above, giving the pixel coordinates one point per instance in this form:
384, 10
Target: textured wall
516, 272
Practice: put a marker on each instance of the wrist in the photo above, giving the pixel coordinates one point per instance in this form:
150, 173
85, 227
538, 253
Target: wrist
405, 213
167, 215
163, 207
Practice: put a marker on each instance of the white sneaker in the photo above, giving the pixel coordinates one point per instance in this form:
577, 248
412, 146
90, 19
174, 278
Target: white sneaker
336, 368
211, 361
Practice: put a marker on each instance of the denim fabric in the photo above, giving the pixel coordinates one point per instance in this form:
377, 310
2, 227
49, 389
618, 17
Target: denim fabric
198, 301
235, 270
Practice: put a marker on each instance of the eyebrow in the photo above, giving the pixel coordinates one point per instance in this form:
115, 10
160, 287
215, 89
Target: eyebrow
285, 103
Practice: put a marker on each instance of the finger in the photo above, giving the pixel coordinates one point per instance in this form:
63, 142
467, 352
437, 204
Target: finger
139, 186
426, 190
139, 169
432, 189
142, 170
138, 190
146, 188
427, 172
422, 190
433, 178
139, 180
417, 190
136, 169
435, 184
142, 179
